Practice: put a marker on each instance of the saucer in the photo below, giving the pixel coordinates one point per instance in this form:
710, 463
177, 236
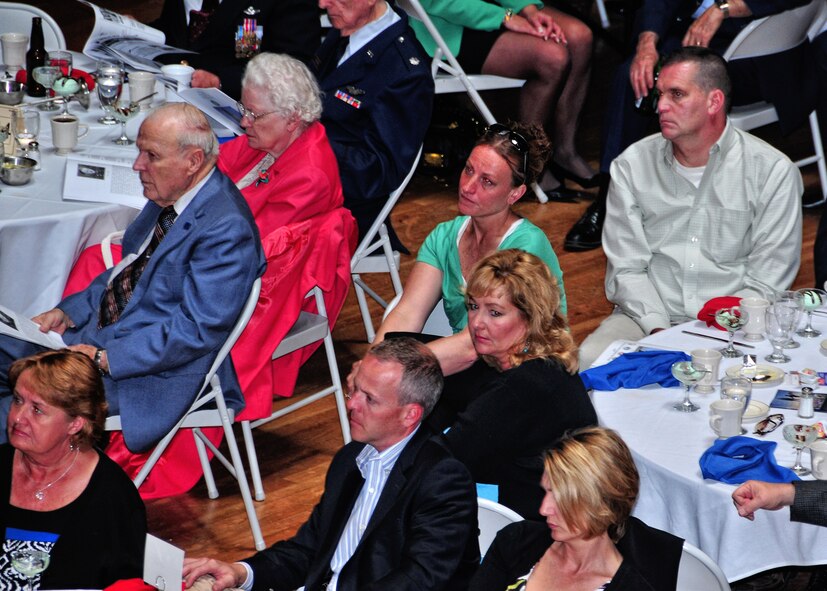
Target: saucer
766, 376
755, 411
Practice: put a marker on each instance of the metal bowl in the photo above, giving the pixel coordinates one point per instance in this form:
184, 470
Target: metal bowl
11, 92
16, 170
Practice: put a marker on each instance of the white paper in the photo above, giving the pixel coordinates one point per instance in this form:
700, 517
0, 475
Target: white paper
20, 327
216, 105
103, 176
163, 564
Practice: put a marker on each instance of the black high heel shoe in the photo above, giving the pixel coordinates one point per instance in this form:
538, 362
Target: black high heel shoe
563, 173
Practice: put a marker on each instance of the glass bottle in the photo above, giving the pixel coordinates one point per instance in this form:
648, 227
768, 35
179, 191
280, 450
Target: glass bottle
648, 105
36, 56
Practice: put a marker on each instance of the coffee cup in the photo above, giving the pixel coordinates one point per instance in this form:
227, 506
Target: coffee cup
14, 49
709, 360
725, 417
180, 73
818, 457
66, 130
141, 85
755, 309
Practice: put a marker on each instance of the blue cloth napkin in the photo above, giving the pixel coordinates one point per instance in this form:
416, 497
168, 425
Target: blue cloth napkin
633, 370
738, 459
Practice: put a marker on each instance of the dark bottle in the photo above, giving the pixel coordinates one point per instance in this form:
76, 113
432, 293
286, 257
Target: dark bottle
36, 56
648, 105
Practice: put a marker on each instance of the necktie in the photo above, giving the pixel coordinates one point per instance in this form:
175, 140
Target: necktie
200, 19
119, 290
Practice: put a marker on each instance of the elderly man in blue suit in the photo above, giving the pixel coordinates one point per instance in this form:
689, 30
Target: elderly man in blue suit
154, 324
377, 97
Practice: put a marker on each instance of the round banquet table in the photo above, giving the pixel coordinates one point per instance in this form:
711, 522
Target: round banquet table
667, 446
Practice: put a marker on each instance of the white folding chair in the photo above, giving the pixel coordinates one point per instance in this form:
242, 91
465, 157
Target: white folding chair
369, 259
449, 77
492, 518
437, 322
698, 572
774, 34
308, 329
17, 18
202, 414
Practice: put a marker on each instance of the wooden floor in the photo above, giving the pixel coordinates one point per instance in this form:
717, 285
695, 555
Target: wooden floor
296, 450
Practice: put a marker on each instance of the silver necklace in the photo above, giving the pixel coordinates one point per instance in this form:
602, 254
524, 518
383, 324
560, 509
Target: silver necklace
40, 493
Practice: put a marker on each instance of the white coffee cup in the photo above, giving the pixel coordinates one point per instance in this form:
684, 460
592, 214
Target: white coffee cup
66, 130
818, 457
755, 309
14, 49
141, 85
708, 359
725, 417
180, 73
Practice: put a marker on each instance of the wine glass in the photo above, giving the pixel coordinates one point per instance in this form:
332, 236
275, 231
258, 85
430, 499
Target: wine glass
732, 319
29, 563
122, 115
737, 388
800, 436
61, 59
46, 75
789, 299
778, 322
809, 300
688, 375
110, 86
26, 127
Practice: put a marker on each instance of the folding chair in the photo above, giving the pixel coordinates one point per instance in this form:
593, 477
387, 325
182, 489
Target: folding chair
202, 414
17, 18
366, 259
774, 34
492, 518
699, 571
449, 76
308, 329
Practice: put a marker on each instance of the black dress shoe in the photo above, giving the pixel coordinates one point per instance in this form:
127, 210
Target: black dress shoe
564, 173
586, 233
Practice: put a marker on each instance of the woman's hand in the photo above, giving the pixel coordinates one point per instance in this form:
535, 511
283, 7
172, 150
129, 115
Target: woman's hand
543, 25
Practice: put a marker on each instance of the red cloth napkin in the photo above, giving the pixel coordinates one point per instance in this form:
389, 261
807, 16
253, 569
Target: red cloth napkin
130, 585
707, 313
90, 81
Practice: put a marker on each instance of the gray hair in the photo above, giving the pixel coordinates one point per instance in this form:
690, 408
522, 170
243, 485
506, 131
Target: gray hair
288, 86
192, 128
421, 381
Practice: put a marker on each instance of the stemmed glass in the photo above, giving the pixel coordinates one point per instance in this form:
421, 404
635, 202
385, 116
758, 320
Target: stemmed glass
29, 563
732, 319
809, 300
46, 75
65, 85
110, 85
778, 322
26, 127
122, 115
789, 299
688, 375
800, 436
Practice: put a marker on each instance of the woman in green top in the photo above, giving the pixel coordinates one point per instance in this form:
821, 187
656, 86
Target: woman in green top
523, 39
501, 165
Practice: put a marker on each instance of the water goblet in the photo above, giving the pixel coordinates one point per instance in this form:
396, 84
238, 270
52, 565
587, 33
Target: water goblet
778, 322
732, 319
122, 115
688, 375
737, 388
800, 436
809, 300
29, 563
109, 86
46, 75
26, 124
789, 299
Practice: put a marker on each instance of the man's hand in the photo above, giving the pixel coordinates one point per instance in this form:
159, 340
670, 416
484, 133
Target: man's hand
90, 351
226, 575
204, 79
754, 495
700, 32
642, 71
55, 319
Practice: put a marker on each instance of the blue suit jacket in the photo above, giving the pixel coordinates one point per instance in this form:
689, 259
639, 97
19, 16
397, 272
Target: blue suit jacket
181, 311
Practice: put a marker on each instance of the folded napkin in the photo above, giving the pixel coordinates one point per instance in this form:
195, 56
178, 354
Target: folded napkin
633, 370
738, 459
90, 80
707, 313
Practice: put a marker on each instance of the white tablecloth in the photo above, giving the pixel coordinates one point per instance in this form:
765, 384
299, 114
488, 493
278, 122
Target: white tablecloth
668, 444
41, 235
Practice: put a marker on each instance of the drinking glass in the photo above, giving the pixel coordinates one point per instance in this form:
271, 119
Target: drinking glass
29, 563
109, 85
732, 319
61, 59
123, 114
789, 299
737, 388
809, 300
688, 375
778, 322
800, 436
46, 75
26, 127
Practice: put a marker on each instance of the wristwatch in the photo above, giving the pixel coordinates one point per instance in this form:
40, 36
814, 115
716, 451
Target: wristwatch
97, 360
724, 6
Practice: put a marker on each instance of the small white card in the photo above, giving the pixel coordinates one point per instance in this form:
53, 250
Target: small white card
163, 564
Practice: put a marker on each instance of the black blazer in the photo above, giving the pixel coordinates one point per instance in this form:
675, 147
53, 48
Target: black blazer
810, 504
290, 26
422, 535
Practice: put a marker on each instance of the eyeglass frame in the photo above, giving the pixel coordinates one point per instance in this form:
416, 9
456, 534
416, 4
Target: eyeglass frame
245, 112
515, 138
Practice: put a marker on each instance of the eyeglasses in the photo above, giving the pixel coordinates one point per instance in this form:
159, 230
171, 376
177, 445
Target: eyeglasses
245, 112
517, 140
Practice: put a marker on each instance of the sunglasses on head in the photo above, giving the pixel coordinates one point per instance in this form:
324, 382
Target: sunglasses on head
517, 140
